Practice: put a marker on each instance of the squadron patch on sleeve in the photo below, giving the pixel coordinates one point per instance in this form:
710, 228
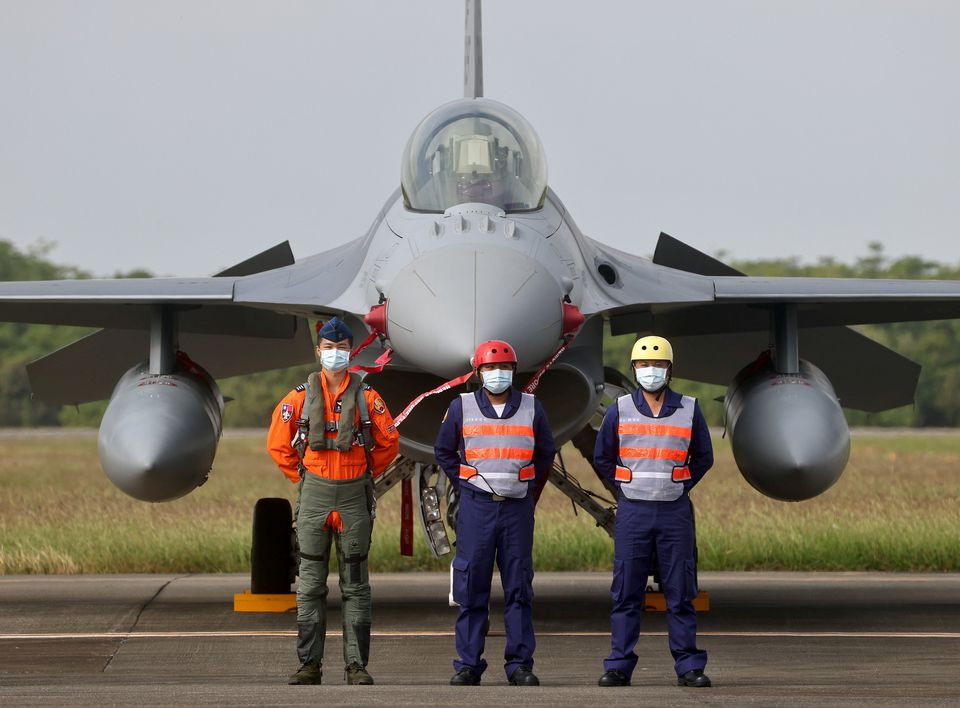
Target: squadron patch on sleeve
286, 412
378, 406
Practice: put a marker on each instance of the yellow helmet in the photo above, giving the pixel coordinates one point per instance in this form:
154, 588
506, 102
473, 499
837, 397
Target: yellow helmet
652, 347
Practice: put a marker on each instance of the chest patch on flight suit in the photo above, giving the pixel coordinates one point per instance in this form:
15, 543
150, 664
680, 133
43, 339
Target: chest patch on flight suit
378, 406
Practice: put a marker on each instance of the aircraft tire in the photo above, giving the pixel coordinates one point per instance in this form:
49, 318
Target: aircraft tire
272, 552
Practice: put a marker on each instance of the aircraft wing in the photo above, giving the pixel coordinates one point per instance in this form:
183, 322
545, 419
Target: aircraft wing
245, 319
739, 303
122, 303
717, 336
269, 281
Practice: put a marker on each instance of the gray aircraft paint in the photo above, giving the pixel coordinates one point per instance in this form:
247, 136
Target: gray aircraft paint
455, 278
159, 433
788, 434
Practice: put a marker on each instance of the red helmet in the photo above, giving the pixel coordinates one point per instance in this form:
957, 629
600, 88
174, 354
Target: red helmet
496, 351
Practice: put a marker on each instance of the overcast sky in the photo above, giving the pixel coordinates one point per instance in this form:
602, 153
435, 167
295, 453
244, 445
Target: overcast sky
183, 136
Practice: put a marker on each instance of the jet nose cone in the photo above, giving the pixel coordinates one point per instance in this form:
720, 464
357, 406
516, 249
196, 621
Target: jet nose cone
446, 302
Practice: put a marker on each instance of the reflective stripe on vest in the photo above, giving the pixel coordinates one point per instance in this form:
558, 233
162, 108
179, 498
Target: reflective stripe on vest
498, 452
651, 449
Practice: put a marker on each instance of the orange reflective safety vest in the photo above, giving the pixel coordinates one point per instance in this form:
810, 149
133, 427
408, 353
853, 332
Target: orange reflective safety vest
653, 451
498, 452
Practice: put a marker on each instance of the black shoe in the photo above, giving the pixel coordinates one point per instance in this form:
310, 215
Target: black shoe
695, 678
465, 677
308, 674
524, 677
614, 678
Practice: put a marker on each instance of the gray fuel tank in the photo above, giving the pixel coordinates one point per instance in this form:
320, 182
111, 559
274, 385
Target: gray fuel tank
788, 433
159, 434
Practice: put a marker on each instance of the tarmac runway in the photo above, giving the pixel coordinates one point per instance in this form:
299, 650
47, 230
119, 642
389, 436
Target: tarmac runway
793, 639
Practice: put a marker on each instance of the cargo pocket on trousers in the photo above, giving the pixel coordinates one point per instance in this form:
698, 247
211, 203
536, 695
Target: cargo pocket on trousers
689, 580
461, 580
616, 588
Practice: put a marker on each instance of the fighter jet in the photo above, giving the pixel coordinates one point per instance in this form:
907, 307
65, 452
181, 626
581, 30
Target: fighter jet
474, 245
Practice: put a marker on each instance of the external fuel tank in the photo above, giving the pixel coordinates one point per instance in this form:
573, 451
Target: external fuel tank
788, 433
159, 434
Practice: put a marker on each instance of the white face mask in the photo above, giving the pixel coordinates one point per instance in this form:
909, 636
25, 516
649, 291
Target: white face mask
651, 378
497, 381
334, 359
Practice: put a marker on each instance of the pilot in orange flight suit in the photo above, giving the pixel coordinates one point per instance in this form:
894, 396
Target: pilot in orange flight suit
347, 437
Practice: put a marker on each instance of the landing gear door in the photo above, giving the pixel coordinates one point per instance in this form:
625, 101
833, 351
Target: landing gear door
428, 482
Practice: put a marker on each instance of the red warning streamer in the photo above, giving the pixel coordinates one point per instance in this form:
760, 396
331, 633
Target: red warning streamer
535, 381
378, 366
529, 388
406, 518
439, 389
364, 344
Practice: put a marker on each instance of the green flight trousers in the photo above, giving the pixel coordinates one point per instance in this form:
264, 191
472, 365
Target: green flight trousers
353, 500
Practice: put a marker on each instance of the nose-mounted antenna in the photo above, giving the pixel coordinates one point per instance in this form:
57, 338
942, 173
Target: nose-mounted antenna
473, 52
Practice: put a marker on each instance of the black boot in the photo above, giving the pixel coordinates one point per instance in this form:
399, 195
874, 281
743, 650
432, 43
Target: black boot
695, 678
524, 677
613, 677
465, 677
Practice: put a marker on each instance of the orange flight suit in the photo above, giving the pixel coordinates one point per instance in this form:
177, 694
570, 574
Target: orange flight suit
331, 464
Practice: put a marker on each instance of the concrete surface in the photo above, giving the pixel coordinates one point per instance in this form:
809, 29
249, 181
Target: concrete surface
773, 638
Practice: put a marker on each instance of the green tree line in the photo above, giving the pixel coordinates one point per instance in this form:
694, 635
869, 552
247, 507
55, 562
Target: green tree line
935, 345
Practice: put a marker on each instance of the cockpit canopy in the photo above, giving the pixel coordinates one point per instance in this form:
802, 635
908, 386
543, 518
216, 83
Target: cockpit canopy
474, 150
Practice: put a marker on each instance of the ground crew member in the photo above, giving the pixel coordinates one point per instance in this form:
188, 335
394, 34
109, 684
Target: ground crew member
655, 444
331, 436
494, 445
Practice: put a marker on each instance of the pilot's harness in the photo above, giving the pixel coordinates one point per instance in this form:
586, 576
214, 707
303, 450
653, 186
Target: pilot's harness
363, 436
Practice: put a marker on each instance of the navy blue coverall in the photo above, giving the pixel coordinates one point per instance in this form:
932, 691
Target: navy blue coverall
488, 530
643, 526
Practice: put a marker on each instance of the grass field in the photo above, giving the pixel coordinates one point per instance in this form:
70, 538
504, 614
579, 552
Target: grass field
897, 507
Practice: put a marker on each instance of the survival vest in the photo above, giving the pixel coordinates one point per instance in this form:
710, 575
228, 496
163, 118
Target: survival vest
653, 451
353, 404
498, 452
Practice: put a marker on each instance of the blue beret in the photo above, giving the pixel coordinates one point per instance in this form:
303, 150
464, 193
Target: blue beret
335, 330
